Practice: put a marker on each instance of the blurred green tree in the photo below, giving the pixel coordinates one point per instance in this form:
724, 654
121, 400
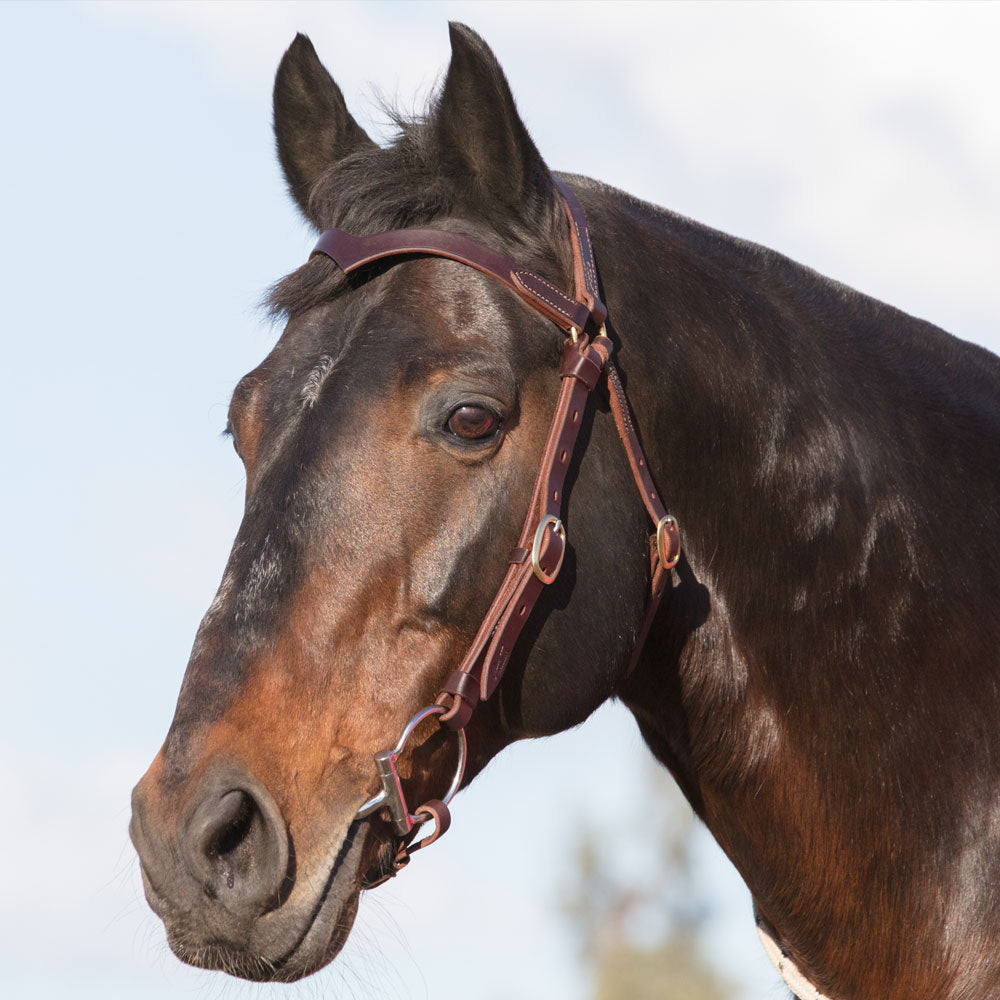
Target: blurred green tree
633, 906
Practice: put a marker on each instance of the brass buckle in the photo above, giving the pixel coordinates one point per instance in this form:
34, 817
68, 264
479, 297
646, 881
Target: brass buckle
536, 548
575, 333
663, 539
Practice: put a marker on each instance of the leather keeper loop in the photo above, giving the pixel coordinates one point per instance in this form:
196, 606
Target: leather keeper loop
438, 813
464, 685
581, 365
457, 717
604, 346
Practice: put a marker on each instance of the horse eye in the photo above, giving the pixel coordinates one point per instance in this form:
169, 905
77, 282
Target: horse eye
230, 432
473, 423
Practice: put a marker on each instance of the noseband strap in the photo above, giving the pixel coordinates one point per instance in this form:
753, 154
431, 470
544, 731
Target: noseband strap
538, 555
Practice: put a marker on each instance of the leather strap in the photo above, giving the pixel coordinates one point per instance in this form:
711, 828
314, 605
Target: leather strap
351, 252
665, 544
536, 559
490, 651
584, 269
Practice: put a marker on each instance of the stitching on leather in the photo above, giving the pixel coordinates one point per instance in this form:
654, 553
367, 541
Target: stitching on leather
622, 405
587, 253
589, 262
542, 281
555, 305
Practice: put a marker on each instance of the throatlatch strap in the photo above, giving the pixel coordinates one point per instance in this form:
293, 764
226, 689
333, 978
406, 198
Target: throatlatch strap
665, 544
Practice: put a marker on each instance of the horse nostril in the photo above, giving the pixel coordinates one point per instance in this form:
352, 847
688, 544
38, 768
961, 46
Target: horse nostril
229, 847
237, 847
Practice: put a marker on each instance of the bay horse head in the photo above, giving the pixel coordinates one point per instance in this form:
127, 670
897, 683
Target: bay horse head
392, 441
453, 539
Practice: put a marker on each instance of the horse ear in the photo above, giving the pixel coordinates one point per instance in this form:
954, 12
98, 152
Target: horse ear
312, 126
481, 138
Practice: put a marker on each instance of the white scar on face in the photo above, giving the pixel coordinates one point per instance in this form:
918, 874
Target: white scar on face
317, 377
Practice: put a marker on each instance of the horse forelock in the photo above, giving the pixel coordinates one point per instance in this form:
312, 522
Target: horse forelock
408, 184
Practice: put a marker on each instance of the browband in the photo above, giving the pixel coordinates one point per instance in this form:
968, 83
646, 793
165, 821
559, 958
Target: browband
351, 252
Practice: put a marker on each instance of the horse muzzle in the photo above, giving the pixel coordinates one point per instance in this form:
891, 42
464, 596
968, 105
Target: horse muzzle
222, 877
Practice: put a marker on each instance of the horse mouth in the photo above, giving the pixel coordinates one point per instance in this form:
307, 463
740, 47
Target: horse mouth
283, 947
381, 867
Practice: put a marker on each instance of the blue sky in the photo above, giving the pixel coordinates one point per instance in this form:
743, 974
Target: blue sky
144, 215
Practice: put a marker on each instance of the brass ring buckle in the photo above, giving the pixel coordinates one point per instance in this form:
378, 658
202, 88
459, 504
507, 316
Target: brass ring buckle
663, 541
536, 548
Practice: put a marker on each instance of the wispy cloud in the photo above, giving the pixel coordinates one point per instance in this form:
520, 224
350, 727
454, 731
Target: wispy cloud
849, 135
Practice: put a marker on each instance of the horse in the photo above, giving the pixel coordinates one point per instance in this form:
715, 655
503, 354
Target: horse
808, 642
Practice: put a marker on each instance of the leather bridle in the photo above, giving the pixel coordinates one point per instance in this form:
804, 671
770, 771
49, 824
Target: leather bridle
538, 556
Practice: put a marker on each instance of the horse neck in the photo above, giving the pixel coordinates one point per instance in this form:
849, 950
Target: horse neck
705, 354
813, 622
